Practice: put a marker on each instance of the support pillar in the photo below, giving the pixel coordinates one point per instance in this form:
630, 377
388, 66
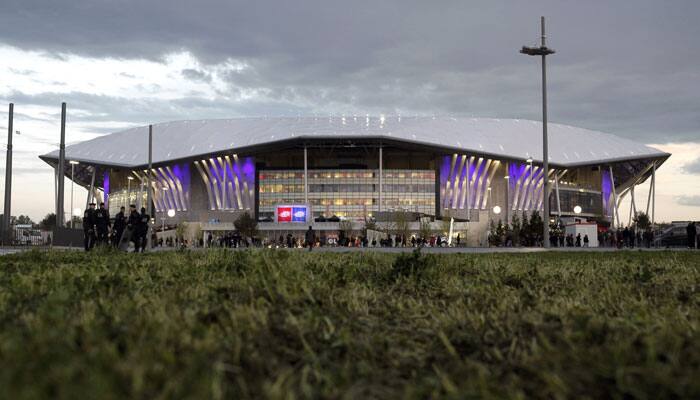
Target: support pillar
381, 177
507, 181
616, 216
306, 177
653, 198
651, 185
556, 188
60, 215
469, 184
90, 191
150, 169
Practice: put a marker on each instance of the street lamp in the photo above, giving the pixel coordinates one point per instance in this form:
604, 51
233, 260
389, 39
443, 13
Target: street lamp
496, 210
72, 163
577, 210
543, 51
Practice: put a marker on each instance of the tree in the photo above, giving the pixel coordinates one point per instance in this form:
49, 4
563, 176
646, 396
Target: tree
21, 220
24, 220
642, 221
516, 229
76, 221
246, 225
425, 229
536, 228
402, 223
180, 231
49, 222
345, 227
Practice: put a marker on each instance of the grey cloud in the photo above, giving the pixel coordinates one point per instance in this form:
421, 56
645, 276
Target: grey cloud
627, 68
108, 109
692, 167
194, 75
22, 71
693, 201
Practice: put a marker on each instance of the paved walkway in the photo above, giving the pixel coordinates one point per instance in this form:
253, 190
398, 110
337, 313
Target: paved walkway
432, 250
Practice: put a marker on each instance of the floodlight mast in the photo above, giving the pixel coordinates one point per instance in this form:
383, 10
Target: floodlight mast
543, 51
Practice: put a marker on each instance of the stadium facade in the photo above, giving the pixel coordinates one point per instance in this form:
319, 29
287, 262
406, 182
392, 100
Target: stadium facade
294, 172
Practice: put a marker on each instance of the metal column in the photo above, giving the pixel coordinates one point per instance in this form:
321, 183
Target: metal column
91, 188
616, 216
306, 177
651, 185
653, 198
60, 215
150, 169
507, 181
7, 209
556, 188
545, 148
381, 177
469, 184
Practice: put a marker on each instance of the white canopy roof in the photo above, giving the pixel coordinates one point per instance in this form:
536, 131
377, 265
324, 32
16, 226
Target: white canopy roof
507, 138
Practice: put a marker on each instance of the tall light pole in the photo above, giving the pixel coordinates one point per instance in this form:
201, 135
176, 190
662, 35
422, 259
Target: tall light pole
72, 179
7, 209
543, 51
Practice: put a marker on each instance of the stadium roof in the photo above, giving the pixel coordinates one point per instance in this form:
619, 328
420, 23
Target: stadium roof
507, 138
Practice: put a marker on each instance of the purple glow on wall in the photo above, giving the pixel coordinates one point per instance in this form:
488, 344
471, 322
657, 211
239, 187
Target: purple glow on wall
182, 173
105, 186
606, 190
249, 167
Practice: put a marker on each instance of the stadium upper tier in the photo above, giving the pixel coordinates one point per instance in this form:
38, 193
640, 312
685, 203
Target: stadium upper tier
505, 138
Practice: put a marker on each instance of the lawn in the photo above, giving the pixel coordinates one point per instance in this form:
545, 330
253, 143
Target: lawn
287, 324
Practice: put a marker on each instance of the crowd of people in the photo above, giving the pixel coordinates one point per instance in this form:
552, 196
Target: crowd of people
99, 230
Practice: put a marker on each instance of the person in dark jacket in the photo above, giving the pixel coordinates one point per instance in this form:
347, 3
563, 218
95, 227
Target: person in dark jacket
89, 227
132, 225
310, 238
102, 224
142, 228
118, 227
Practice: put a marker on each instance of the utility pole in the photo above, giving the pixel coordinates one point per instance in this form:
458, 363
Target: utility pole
7, 210
543, 51
60, 215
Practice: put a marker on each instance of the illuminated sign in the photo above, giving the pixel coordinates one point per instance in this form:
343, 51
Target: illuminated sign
291, 213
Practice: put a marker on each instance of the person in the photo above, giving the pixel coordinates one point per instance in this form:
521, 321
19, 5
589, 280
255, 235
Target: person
118, 227
89, 227
585, 240
310, 238
142, 228
102, 224
132, 226
578, 240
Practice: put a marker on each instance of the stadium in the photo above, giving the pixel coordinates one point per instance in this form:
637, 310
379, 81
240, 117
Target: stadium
290, 173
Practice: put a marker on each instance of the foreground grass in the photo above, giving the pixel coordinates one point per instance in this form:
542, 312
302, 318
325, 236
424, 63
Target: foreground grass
281, 324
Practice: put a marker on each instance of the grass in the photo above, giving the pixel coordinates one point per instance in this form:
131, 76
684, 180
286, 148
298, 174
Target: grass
279, 324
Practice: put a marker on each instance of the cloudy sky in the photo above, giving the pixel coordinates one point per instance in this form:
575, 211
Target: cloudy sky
627, 68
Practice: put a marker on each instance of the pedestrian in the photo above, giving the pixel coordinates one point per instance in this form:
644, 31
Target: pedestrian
691, 231
310, 238
578, 240
585, 240
118, 227
89, 227
144, 219
102, 224
132, 227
